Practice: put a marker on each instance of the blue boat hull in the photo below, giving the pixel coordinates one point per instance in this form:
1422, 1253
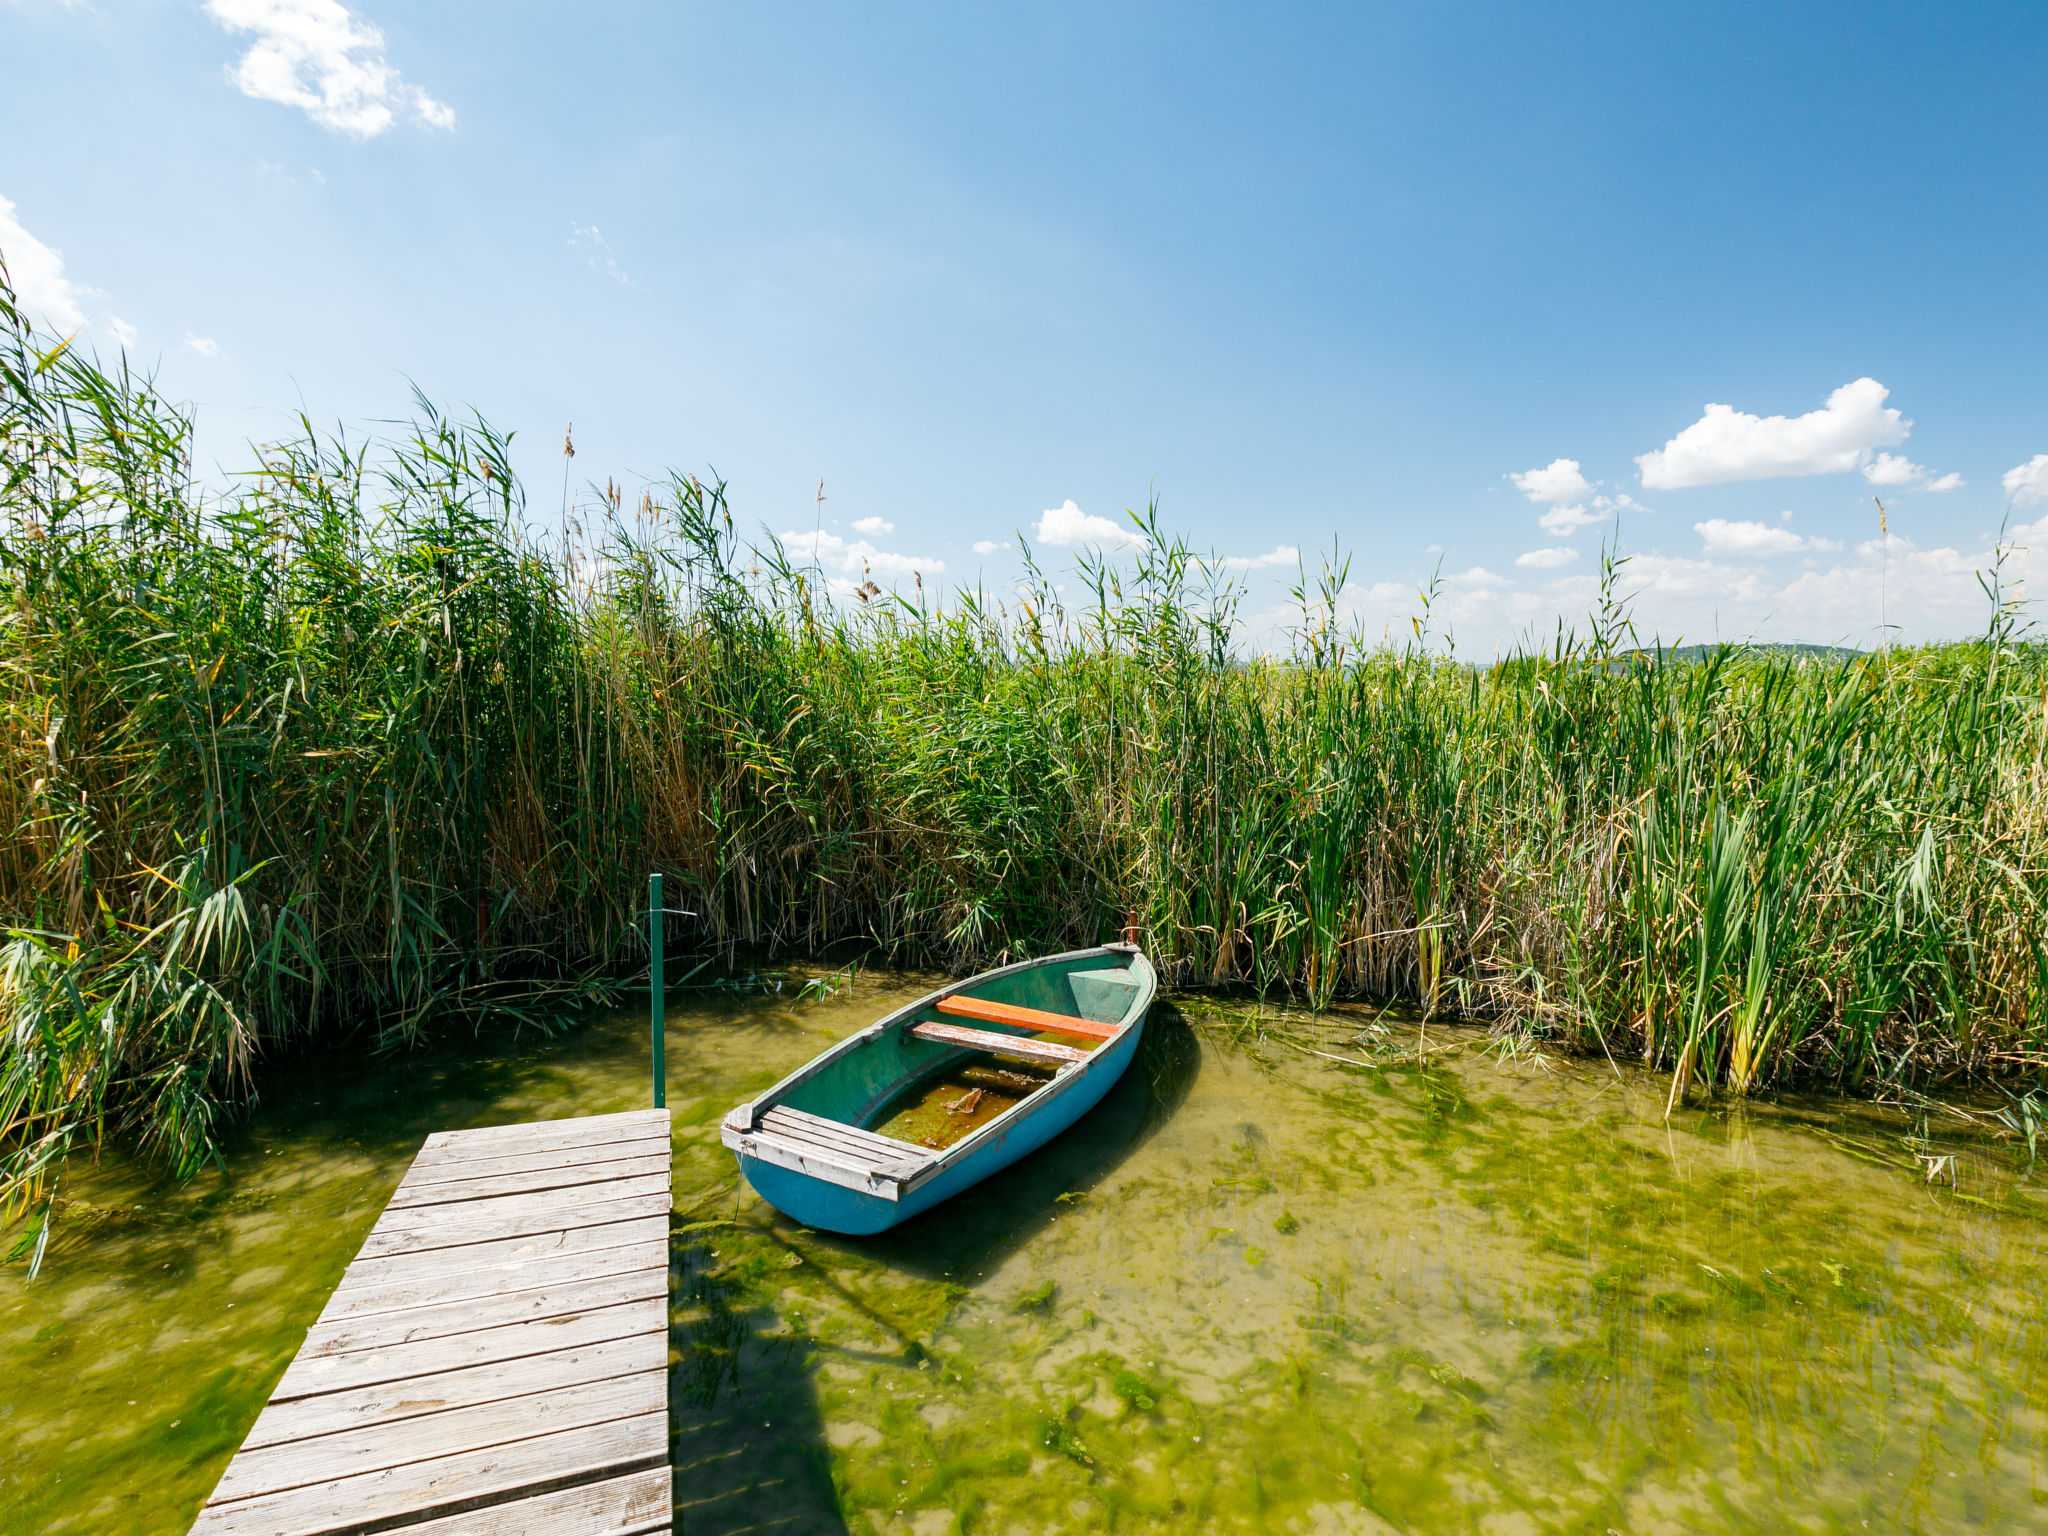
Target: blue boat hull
834, 1207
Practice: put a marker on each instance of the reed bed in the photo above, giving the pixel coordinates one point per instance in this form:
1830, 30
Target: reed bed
345, 747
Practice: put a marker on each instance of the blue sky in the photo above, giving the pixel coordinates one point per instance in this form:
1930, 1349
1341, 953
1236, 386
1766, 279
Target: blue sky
1452, 286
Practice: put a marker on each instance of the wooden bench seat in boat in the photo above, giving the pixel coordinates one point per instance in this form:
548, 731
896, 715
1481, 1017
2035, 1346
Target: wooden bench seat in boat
873, 1151
1025, 1018
829, 1149
1003, 1045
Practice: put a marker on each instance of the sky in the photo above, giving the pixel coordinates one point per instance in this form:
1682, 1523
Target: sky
1459, 294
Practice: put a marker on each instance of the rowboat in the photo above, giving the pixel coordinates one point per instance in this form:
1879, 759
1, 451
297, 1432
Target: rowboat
919, 1105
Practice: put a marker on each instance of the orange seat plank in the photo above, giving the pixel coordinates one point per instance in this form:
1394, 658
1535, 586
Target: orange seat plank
1025, 1018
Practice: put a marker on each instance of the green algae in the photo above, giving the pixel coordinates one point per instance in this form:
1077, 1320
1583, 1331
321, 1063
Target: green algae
942, 1110
1506, 1296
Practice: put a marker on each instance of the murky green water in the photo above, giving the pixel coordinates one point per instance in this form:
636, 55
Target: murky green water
1255, 1290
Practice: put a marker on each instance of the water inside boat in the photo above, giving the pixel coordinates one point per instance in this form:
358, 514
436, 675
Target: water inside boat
943, 1110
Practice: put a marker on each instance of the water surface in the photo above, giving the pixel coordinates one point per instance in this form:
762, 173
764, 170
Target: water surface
1255, 1290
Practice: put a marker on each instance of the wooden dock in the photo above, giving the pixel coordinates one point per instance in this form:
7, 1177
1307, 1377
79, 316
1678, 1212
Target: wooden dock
495, 1360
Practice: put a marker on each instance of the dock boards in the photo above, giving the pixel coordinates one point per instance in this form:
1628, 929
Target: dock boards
494, 1361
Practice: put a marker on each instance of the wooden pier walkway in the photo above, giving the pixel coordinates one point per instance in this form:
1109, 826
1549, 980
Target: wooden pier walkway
494, 1361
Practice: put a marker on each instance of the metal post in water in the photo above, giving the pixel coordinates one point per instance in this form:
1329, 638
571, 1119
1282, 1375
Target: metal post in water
658, 1030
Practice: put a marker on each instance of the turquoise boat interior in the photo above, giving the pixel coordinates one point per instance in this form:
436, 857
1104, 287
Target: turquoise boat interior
865, 1087
944, 1092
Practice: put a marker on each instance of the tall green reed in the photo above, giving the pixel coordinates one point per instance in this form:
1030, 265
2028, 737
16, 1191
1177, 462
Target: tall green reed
345, 747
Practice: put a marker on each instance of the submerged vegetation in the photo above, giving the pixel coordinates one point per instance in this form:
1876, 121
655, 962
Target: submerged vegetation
344, 745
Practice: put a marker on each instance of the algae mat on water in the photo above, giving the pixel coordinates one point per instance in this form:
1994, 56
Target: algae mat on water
1256, 1290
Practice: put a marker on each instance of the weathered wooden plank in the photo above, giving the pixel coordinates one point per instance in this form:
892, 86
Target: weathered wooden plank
782, 1118
838, 1168
640, 1505
636, 1145
897, 1165
459, 1285
311, 1375
510, 1253
460, 1231
447, 1485
587, 1126
457, 1431
453, 1155
332, 1412
497, 1358
1022, 1046
409, 1196
1027, 1018
858, 1157
388, 1328
409, 1218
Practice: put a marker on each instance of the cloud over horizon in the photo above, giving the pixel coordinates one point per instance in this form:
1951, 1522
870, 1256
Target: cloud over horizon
1068, 527
37, 270
830, 552
1745, 537
1726, 445
2027, 484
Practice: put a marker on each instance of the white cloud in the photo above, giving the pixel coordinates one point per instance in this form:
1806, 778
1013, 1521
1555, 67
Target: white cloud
873, 525
1723, 537
1559, 481
1279, 554
1068, 526
205, 346
51, 300
1675, 576
122, 332
1548, 559
1566, 521
1563, 522
320, 57
2027, 484
1728, 445
834, 553
990, 546
1478, 577
587, 237
1893, 469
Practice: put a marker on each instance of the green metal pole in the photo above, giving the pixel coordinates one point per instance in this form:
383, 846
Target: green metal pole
654, 991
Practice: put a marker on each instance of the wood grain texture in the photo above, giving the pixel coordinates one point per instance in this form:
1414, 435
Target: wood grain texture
331, 1412
411, 1218
450, 1172
1027, 1018
509, 1252
452, 1432
640, 1505
447, 1485
532, 1133
783, 1118
1021, 1046
459, 1231
405, 1294
409, 1195
311, 1375
496, 1359
387, 1328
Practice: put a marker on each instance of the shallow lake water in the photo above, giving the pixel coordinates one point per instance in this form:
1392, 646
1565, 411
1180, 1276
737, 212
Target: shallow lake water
1255, 1290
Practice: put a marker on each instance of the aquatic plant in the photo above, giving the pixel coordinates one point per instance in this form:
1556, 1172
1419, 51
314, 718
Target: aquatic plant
344, 745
